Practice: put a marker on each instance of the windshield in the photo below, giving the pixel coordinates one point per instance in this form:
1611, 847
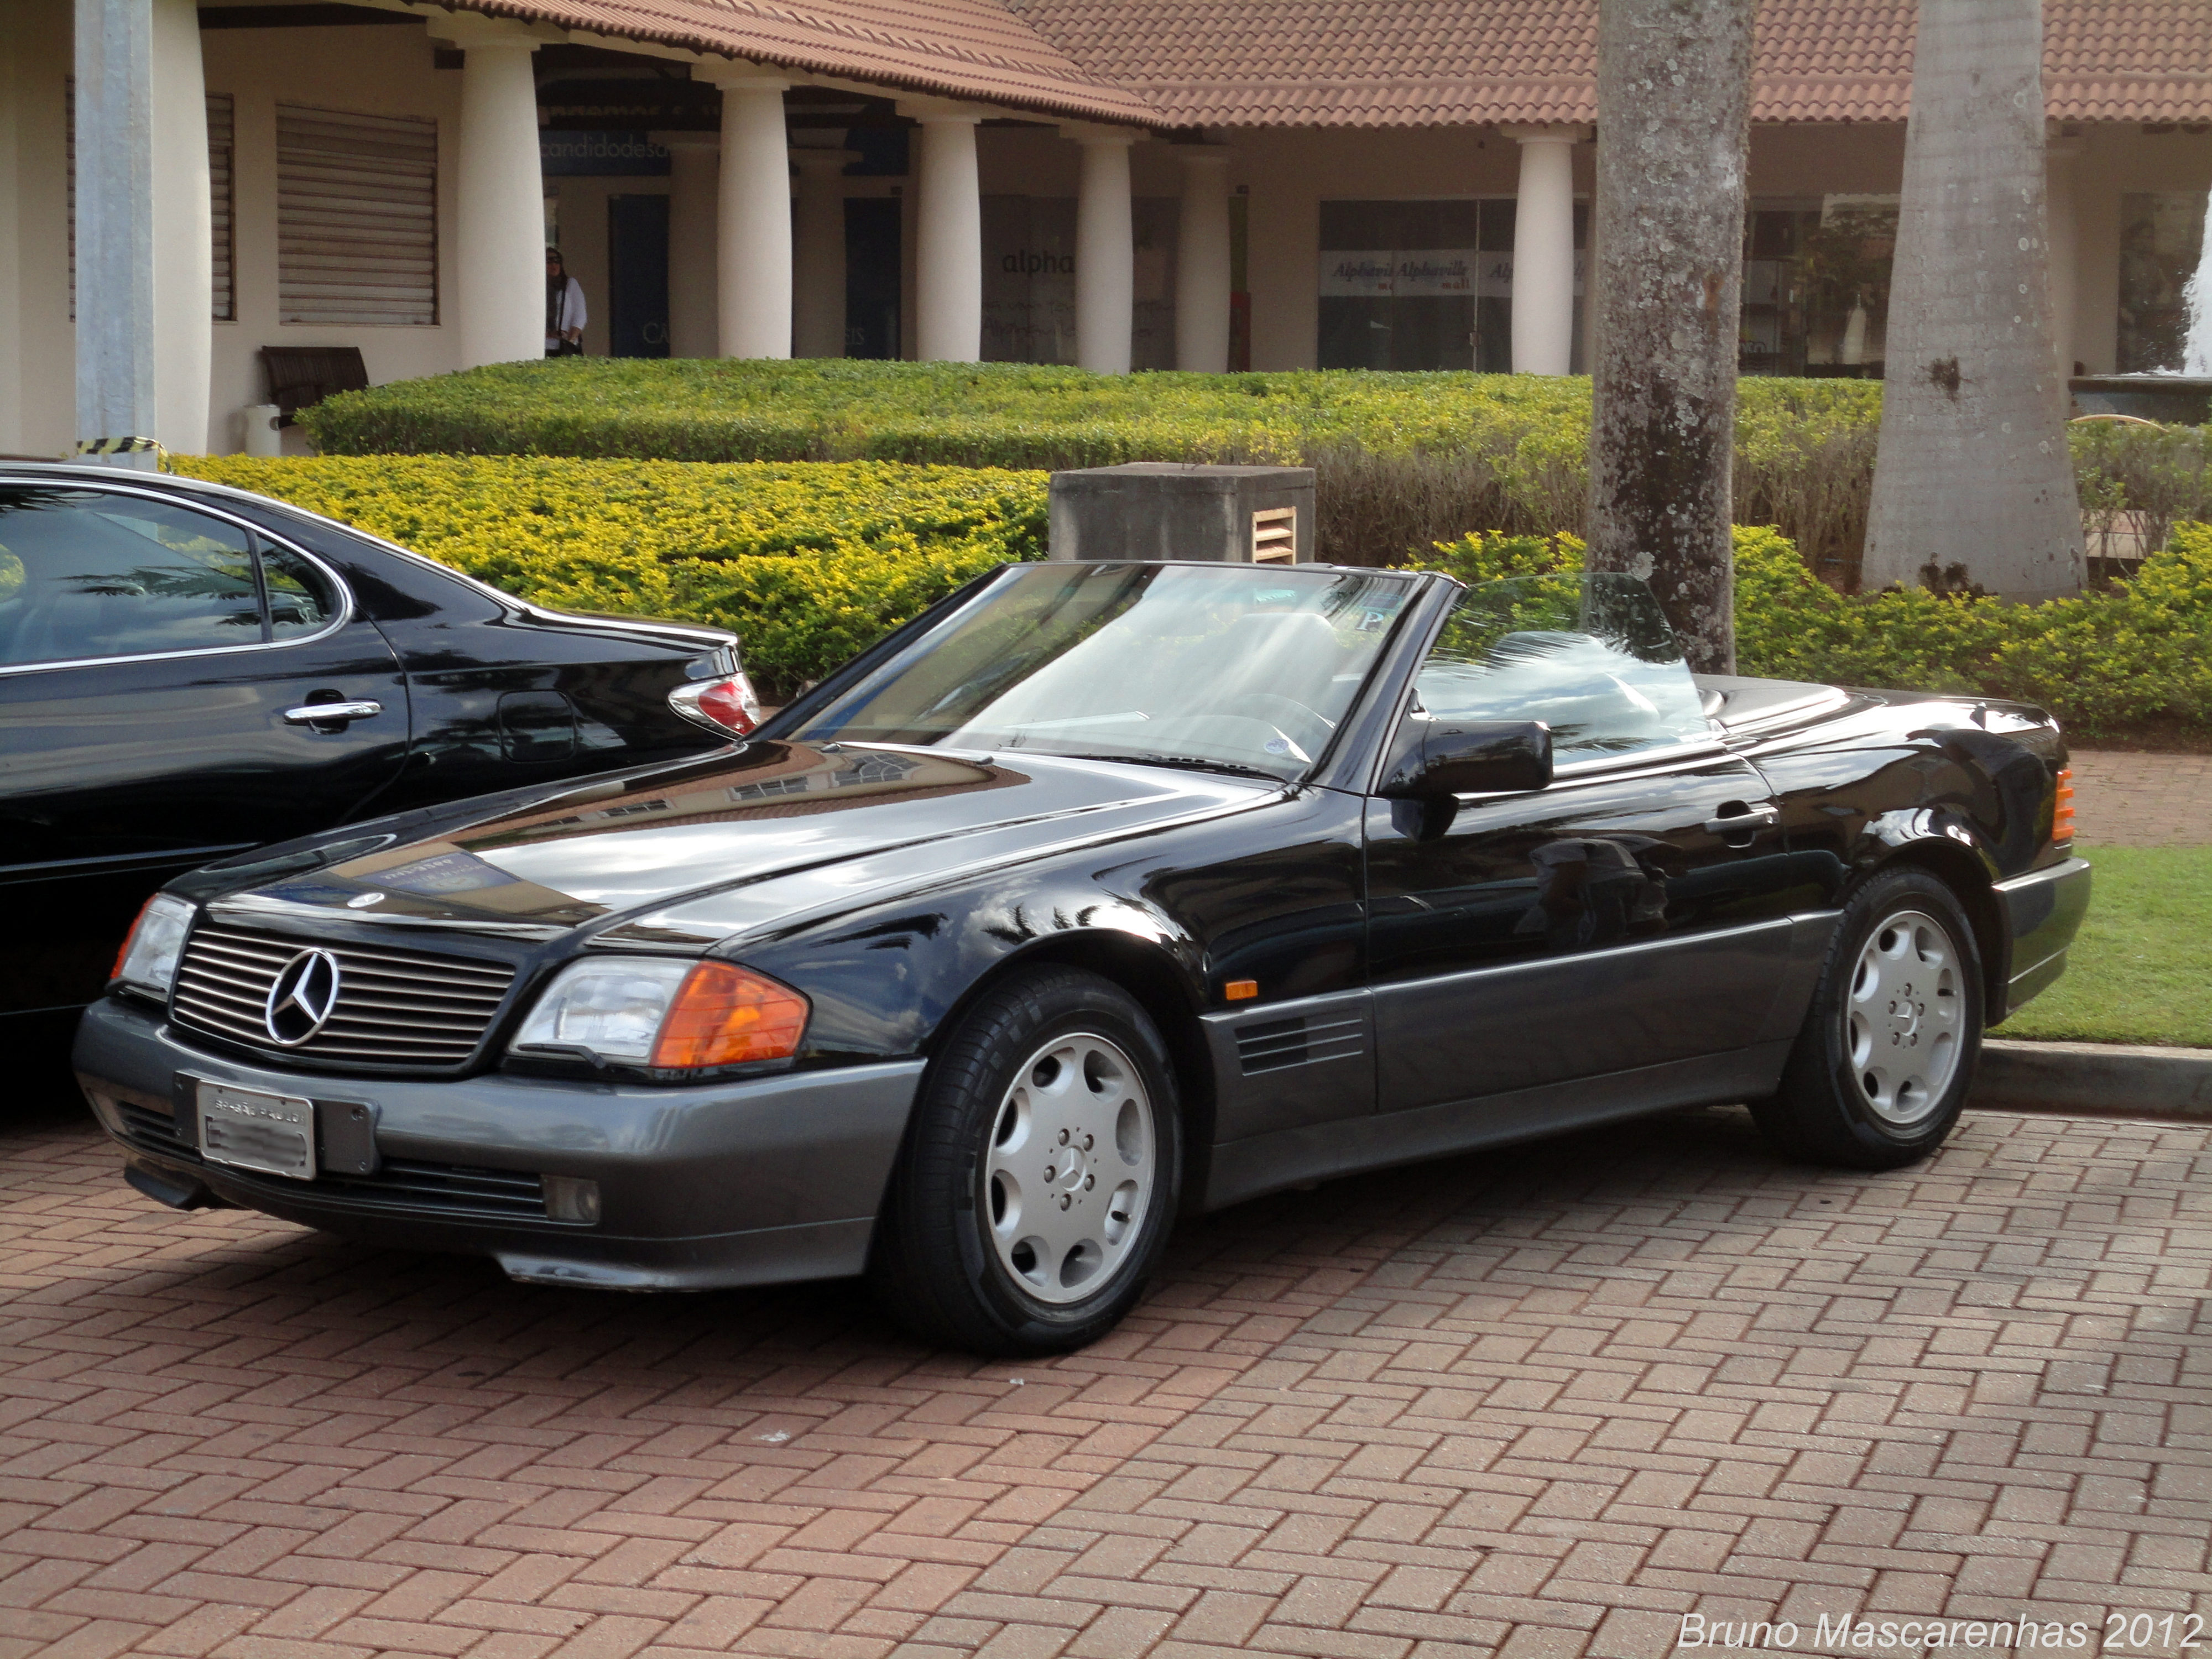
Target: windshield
1230, 666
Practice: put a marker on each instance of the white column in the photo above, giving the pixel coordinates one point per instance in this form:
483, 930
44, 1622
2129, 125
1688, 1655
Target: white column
115, 222
819, 261
2061, 156
694, 166
752, 235
11, 236
1105, 252
1202, 263
184, 232
949, 238
498, 283
1544, 251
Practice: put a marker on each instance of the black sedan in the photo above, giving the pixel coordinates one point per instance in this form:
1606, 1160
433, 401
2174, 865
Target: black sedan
1100, 893
187, 671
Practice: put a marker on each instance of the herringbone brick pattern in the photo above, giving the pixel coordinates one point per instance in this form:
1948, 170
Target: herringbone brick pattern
1541, 1402
2126, 799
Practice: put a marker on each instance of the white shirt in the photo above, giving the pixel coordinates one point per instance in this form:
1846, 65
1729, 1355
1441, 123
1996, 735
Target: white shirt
572, 314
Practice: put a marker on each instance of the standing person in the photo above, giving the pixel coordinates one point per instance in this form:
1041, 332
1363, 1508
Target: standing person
565, 315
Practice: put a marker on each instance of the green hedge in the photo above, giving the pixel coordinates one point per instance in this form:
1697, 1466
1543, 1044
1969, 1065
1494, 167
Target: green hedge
809, 563
1404, 460
2138, 654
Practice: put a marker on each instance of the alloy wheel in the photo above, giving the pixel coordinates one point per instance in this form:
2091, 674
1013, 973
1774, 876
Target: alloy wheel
1070, 1171
1903, 1020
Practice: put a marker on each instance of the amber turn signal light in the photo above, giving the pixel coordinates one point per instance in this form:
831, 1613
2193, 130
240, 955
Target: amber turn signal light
130, 937
2062, 812
723, 1015
1241, 990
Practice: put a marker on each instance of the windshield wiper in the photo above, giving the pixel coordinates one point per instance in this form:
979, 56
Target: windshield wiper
1185, 762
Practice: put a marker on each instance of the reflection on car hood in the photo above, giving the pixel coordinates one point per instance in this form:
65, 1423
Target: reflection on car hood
693, 854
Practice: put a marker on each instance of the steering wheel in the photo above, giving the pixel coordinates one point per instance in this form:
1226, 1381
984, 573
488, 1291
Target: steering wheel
1310, 729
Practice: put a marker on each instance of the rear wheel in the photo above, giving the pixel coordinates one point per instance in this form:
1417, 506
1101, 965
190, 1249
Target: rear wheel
1040, 1177
1883, 1065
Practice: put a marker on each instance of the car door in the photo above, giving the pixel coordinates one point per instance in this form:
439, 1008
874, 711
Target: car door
1629, 919
158, 665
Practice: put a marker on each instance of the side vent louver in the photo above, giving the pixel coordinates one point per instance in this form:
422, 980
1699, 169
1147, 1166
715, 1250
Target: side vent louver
1270, 1045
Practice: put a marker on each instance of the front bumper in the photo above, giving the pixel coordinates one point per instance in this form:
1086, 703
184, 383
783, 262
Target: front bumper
2043, 912
746, 1182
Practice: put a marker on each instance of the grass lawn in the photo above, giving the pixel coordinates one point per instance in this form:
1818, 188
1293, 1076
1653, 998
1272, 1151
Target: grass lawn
2141, 969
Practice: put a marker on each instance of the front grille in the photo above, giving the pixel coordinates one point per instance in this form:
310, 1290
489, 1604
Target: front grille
444, 1187
410, 1183
1270, 1045
156, 1131
395, 1008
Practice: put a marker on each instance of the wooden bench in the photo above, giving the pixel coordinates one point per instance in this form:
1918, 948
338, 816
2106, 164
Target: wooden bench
300, 377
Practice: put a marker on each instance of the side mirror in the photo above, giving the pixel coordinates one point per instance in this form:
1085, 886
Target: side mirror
1459, 757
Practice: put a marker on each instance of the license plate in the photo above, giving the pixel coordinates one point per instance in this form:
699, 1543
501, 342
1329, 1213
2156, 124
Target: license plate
249, 1130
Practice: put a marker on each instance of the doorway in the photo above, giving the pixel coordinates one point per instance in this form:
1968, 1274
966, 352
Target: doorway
637, 275
874, 251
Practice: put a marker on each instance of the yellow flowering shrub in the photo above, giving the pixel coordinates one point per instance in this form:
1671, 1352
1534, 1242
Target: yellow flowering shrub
807, 561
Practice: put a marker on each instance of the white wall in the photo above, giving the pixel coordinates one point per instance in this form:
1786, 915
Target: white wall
377, 70
37, 367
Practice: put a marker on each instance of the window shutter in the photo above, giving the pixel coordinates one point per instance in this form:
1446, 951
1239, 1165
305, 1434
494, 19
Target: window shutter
357, 218
219, 120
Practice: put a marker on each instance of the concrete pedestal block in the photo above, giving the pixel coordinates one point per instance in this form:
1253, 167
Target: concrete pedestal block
1165, 510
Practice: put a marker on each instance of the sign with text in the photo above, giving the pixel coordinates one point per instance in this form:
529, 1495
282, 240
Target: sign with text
600, 154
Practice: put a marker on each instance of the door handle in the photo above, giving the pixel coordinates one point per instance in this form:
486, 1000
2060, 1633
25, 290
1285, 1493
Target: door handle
1745, 823
332, 713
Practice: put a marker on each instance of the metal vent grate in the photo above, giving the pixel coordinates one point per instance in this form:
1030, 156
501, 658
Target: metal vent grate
395, 1008
1270, 1045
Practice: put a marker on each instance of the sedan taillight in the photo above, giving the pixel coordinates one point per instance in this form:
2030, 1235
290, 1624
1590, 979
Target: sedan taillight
727, 706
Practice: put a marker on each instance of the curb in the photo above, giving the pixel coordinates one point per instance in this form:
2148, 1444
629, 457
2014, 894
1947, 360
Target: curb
2106, 1079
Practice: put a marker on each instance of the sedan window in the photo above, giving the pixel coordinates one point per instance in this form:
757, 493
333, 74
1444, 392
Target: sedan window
1592, 656
84, 575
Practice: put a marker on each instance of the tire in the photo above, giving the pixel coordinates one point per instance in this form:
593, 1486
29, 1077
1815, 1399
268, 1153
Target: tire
1041, 1174
1881, 1069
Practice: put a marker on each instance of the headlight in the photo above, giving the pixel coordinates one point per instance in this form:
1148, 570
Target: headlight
148, 960
646, 1011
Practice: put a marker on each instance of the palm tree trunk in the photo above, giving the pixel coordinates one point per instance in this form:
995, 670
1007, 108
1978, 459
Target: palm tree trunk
1673, 115
1972, 484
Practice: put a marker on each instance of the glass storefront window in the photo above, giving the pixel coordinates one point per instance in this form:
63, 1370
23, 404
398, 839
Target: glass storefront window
1028, 280
1421, 285
2161, 235
1816, 285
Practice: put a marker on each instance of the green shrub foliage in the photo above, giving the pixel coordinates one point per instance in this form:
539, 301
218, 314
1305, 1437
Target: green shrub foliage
2138, 653
1403, 461
809, 563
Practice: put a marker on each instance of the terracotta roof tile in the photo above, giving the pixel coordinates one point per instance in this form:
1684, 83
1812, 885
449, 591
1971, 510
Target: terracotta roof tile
966, 49
1384, 63
1407, 63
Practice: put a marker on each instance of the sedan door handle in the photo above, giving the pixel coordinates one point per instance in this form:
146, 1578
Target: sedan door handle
332, 713
1744, 823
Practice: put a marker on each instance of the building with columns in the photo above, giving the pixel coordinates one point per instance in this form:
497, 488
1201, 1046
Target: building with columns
1117, 184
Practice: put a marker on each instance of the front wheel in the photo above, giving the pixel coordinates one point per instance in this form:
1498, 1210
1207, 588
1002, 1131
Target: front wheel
1881, 1067
1040, 1175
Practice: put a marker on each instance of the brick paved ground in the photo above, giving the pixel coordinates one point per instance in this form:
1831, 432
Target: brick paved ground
2142, 800
1538, 1403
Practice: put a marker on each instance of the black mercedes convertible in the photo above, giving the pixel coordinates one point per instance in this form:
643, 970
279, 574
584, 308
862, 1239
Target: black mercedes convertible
1100, 893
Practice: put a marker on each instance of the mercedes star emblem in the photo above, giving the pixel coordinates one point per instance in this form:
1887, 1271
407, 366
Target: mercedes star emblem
300, 1000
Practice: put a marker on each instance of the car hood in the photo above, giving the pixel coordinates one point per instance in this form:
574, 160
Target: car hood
693, 854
